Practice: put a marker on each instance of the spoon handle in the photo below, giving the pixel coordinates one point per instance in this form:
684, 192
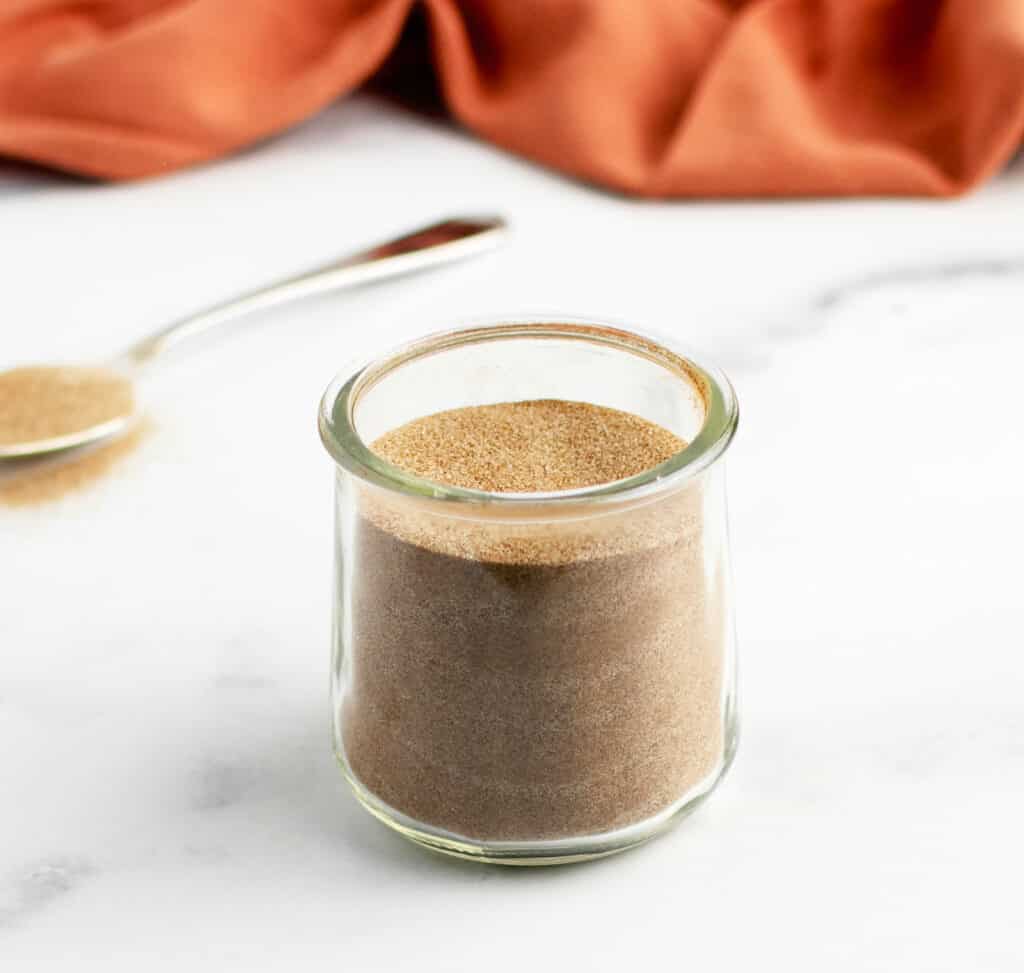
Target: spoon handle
431, 246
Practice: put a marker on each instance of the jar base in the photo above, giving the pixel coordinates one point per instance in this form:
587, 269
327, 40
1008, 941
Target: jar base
558, 851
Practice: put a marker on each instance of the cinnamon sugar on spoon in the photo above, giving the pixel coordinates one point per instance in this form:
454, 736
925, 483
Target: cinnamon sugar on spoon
38, 403
45, 401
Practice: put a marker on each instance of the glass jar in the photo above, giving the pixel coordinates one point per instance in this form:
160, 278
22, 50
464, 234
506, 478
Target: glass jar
537, 677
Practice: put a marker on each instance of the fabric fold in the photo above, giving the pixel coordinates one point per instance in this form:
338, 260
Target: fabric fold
661, 98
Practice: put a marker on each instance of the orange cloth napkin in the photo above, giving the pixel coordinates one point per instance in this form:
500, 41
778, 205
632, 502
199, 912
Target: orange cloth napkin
657, 97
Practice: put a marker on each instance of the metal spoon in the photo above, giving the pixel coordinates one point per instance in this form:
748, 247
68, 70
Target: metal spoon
432, 246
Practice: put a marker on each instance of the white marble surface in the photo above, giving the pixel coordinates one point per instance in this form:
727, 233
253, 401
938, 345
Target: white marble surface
167, 793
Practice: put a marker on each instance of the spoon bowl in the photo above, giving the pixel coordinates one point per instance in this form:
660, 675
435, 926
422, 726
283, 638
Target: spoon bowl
53, 408
56, 444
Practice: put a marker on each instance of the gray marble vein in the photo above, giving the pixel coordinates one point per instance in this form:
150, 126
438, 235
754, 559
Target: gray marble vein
40, 885
946, 272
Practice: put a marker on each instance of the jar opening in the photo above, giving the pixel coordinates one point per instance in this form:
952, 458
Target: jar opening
573, 359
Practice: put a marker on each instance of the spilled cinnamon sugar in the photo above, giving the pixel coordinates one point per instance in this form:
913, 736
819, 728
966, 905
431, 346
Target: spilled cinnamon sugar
27, 483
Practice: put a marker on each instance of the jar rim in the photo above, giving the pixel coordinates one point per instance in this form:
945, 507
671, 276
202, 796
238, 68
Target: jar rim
347, 448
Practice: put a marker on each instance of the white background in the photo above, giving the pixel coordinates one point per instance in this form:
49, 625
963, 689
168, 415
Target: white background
167, 792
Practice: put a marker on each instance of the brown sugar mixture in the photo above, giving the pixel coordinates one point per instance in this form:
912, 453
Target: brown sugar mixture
524, 679
43, 401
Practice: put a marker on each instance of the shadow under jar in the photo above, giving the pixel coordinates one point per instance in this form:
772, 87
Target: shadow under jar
532, 678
